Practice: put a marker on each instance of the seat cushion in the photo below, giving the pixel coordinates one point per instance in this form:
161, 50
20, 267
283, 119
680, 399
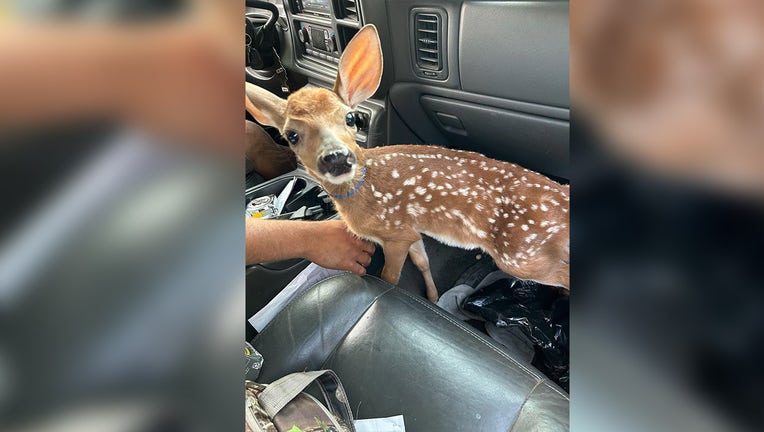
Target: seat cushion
398, 354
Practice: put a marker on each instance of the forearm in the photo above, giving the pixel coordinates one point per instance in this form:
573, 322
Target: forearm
273, 240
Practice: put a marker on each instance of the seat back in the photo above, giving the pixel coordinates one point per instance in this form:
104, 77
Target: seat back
398, 354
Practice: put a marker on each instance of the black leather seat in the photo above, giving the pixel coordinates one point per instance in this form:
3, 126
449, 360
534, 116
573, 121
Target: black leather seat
399, 354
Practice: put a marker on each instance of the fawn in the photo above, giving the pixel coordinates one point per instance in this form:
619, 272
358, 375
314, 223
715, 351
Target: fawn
391, 194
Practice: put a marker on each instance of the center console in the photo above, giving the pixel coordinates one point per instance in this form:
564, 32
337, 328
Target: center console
303, 199
318, 42
323, 28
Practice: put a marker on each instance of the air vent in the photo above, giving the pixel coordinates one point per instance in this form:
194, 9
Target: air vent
349, 9
428, 43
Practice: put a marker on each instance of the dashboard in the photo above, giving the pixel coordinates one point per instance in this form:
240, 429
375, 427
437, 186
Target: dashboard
485, 76
322, 29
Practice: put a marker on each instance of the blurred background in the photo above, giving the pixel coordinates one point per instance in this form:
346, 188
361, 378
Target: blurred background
121, 242
668, 235
121, 237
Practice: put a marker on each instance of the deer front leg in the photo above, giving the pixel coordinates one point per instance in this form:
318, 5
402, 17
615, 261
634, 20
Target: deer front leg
395, 255
422, 262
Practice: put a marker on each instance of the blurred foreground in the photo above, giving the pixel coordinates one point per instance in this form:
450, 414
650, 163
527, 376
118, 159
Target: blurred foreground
121, 242
668, 238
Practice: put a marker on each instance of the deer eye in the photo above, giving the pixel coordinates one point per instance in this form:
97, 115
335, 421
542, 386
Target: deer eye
350, 119
292, 137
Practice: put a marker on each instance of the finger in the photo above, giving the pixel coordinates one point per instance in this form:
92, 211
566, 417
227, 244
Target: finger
364, 259
368, 247
357, 269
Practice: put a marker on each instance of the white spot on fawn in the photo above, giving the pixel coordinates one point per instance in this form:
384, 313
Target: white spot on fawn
524, 227
395, 173
420, 190
530, 238
410, 181
415, 209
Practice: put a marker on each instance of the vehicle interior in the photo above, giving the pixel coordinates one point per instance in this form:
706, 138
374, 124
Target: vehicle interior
483, 76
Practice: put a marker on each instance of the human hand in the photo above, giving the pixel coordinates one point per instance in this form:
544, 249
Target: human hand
331, 245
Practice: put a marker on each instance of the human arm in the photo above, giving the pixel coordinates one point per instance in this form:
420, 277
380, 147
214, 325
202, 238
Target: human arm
326, 243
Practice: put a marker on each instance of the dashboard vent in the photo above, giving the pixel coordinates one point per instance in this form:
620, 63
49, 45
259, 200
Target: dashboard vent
429, 43
349, 9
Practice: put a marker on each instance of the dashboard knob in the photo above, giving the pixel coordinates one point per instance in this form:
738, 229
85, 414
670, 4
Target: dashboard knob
303, 35
361, 120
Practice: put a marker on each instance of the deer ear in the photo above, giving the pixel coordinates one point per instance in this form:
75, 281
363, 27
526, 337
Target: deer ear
360, 68
265, 107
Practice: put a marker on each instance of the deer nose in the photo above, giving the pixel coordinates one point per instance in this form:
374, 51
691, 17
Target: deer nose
336, 158
337, 162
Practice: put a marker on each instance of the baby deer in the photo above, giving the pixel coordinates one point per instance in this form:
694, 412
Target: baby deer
391, 194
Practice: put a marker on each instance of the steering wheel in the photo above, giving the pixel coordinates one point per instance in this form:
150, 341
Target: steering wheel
262, 41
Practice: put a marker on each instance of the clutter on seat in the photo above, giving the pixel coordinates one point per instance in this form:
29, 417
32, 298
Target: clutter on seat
397, 354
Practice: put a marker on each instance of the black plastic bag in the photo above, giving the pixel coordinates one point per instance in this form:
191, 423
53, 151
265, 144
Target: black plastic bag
540, 312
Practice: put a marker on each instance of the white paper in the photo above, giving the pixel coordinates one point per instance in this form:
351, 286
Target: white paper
310, 276
387, 424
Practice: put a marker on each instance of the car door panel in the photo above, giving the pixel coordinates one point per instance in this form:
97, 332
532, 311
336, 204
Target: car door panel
506, 92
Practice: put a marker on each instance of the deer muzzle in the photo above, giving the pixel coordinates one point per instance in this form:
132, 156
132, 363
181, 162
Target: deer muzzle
336, 162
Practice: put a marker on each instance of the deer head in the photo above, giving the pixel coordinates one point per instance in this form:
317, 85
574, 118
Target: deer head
319, 123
